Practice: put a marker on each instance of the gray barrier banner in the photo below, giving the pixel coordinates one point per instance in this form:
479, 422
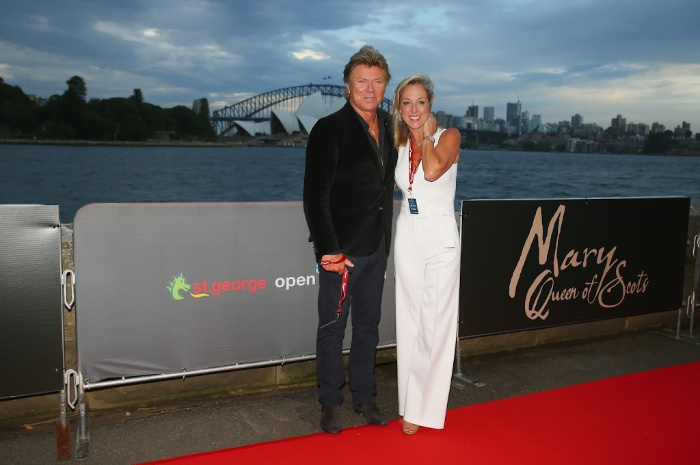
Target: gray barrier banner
31, 329
165, 288
529, 264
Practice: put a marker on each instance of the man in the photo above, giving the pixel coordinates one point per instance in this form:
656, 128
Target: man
348, 198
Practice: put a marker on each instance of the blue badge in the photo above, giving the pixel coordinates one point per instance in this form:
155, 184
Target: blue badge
412, 206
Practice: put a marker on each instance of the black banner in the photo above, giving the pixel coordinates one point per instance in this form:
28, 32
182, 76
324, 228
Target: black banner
31, 328
529, 264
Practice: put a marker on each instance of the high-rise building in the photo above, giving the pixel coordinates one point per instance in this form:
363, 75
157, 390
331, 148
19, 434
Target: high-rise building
536, 121
461, 122
443, 119
658, 127
513, 115
489, 114
473, 111
619, 124
576, 121
682, 130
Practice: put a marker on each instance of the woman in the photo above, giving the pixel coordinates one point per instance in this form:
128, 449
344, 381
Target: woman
426, 256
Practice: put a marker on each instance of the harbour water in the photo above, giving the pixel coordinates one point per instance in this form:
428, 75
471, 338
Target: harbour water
74, 176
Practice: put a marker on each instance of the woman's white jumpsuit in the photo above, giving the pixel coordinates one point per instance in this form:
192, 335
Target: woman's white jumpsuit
427, 260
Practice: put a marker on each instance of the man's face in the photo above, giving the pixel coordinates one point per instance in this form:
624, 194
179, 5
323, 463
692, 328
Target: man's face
366, 87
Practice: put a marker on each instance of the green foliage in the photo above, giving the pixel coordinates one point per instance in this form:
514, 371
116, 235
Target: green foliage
138, 96
659, 143
76, 88
185, 124
69, 116
203, 109
18, 113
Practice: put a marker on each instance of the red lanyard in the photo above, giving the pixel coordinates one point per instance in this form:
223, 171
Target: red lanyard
411, 170
343, 284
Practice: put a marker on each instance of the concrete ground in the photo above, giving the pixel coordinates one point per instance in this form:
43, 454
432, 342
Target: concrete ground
127, 437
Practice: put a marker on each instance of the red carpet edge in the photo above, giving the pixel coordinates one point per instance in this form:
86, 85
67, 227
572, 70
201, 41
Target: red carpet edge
643, 418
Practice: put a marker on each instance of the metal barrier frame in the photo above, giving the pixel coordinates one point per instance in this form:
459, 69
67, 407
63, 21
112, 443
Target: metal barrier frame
691, 304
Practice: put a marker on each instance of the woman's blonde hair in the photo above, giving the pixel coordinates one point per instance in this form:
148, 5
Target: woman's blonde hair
400, 127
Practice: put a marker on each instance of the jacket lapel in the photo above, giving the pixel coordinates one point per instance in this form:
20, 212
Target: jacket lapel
359, 134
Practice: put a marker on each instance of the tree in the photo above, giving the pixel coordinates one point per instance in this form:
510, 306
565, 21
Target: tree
138, 96
203, 109
71, 111
659, 142
18, 113
76, 87
185, 124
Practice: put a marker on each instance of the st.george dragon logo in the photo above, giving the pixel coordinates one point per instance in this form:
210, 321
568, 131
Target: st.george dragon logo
179, 288
178, 285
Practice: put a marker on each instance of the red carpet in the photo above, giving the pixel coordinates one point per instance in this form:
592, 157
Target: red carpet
651, 417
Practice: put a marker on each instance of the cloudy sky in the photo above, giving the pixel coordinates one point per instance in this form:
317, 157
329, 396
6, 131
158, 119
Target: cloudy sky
597, 58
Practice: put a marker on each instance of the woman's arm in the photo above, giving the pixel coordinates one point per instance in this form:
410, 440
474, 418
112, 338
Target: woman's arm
437, 159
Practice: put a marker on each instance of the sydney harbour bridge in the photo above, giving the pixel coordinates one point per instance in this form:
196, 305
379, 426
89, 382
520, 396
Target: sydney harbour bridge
282, 104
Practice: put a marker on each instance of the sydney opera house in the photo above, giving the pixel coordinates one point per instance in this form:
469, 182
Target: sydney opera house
286, 123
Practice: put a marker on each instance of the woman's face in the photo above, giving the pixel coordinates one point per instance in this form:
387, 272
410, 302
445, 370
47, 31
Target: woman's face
414, 105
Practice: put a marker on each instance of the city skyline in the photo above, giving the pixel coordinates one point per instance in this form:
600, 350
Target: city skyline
575, 120
594, 58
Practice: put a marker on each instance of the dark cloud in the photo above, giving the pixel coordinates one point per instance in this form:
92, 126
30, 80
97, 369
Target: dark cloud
490, 52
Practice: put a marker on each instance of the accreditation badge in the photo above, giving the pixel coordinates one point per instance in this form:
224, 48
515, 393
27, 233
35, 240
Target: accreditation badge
412, 206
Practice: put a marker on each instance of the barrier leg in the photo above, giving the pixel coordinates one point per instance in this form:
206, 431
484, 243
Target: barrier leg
691, 303
691, 316
63, 442
82, 442
459, 378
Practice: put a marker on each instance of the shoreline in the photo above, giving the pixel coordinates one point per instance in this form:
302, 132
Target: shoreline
267, 143
156, 143
93, 143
